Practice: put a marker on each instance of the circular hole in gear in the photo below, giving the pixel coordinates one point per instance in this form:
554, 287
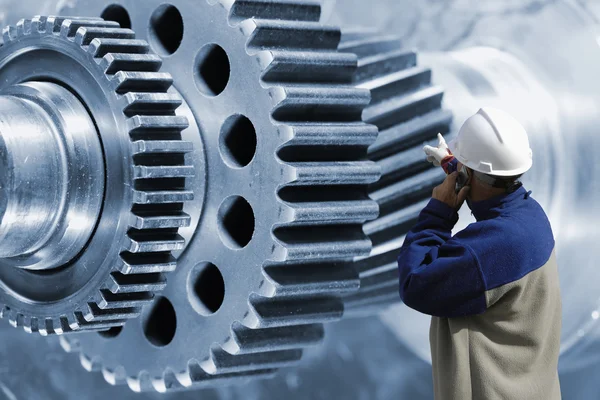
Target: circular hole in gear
236, 222
111, 333
160, 322
117, 13
212, 70
166, 29
206, 288
238, 141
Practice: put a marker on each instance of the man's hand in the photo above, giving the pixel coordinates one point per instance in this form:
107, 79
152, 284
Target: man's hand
436, 155
446, 192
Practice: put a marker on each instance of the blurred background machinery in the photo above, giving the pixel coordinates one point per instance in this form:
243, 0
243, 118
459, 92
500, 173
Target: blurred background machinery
536, 60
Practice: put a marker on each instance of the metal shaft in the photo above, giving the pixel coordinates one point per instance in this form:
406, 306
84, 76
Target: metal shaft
51, 176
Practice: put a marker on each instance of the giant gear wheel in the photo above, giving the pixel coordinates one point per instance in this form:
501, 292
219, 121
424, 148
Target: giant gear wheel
286, 195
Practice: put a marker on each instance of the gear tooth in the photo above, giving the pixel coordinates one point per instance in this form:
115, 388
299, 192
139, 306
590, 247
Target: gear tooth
121, 283
357, 33
161, 146
311, 279
163, 171
154, 221
53, 24
46, 327
406, 192
297, 103
9, 33
273, 313
70, 26
245, 340
96, 314
291, 35
304, 66
90, 364
390, 85
370, 46
140, 383
30, 324
385, 63
127, 81
152, 104
70, 344
293, 10
154, 242
24, 27
152, 126
162, 196
99, 47
112, 301
168, 382
335, 173
115, 376
86, 34
323, 242
312, 136
332, 212
38, 24
115, 62
225, 363
393, 225
404, 108
410, 133
147, 264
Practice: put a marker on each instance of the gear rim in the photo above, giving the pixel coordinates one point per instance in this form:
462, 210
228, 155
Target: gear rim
105, 65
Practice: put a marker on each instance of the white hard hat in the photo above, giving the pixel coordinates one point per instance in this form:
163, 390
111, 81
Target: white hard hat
494, 143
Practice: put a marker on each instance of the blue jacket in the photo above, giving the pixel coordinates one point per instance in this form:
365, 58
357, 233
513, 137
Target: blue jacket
448, 276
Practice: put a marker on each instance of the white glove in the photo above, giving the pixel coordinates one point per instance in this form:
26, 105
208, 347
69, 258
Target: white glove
436, 155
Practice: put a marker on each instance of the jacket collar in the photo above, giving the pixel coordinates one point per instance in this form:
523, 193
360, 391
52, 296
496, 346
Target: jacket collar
490, 208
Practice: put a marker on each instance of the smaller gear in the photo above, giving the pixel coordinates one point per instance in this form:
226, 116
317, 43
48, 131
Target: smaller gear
109, 176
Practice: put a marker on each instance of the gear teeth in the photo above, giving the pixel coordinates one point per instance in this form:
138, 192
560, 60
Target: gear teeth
70, 27
245, 340
224, 363
99, 47
290, 35
334, 173
152, 104
128, 81
305, 66
142, 147
370, 46
385, 63
115, 62
121, 283
98, 315
276, 313
150, 221
152, 126
356, 135
406, 108
292, 10
154, 242
323, 243
162, 196
136, 264
111, 301
82, 323
309, 280
296, 103
332, 212
412, 132
85, 35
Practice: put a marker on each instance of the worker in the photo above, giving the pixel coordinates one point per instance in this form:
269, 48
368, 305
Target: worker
492, 289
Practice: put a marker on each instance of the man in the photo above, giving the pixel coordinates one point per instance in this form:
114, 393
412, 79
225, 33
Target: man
492, 289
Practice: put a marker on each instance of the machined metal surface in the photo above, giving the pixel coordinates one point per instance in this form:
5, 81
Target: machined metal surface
101, 278
286, 196
51, 196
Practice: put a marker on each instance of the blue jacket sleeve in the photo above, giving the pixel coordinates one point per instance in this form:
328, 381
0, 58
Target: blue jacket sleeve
440, 274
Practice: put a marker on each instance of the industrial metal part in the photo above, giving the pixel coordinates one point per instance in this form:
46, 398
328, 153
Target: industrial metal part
407, 109
286, 195
93, 175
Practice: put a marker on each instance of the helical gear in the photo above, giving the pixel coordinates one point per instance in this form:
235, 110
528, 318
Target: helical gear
118, 79
304, 191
